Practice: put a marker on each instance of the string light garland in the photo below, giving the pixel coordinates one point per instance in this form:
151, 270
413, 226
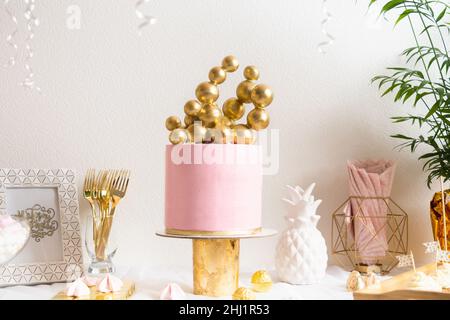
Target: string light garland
329, 38
10, 37
145, 18
32, 22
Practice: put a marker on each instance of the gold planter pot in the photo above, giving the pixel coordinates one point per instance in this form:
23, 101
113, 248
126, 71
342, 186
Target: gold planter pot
437, 218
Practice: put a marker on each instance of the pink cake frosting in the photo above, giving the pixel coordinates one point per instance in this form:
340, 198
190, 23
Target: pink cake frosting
213, 188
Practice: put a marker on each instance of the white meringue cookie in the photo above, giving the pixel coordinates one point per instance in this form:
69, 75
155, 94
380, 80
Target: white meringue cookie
355, 281
77, 289
422, 281
371, 280
172, 292
89, 281
109, 283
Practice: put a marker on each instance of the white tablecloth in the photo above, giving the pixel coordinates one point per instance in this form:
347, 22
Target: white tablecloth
150, 282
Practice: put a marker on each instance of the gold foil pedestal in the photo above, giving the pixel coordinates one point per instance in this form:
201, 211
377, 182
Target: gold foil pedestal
216, 260
216, 266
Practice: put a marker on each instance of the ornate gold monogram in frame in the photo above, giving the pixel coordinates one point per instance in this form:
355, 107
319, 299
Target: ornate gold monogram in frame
44, 225
42, 221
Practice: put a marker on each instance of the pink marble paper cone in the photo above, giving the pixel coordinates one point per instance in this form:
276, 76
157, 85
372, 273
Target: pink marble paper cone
371, 178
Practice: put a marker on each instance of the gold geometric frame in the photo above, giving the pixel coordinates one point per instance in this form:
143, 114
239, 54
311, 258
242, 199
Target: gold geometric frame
395, 224
71, 265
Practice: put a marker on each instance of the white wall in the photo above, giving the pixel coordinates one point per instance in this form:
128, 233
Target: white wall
107, 92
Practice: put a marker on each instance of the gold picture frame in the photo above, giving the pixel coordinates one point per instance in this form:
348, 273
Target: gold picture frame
48, 200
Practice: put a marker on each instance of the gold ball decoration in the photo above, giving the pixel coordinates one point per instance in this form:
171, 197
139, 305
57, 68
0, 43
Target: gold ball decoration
188, 120
244, 90
209, 135
243, 293
207, 92
190, 129
210, 114
251, 73
258, 119
217, 75
233, 109
230, 63
172, 123
261, 281
223, 135
196, 133
178, 136
240, 126
261, 96
192, 108
218, 135
209, 124
224, 122
206, 122
243, 135
252, 136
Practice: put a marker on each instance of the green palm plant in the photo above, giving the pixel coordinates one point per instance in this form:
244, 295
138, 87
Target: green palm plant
425, 81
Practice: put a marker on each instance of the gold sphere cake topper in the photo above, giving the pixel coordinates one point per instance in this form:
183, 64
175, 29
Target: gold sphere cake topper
261, 96
251, 73
179, 135
172, 123
210, 114
233, 109
192, 108
224, 121
225, 135
244, 91
206, 122
258, 119
209, 136
207, 92
189, 120
243, 135
197, 133
217, 75
230, 63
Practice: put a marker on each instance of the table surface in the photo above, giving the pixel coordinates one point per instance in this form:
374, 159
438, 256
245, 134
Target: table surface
150, 282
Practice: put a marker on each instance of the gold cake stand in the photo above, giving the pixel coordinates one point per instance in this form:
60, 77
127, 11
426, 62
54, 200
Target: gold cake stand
216, 260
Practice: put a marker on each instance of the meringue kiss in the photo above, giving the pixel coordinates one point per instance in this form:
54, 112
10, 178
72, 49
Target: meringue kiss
172, 292
109, 283
77, 289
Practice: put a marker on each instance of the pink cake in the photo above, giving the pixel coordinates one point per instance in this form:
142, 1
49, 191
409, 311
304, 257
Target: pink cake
213, 189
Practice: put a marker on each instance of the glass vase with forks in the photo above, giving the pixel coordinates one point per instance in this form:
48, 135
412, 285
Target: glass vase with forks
103, 190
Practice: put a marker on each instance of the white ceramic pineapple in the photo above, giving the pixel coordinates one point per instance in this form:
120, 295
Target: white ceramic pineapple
301, 256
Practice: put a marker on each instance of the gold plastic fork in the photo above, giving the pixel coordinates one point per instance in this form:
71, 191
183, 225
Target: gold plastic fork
118, 190
89, 195
103, 192
101, 196
88, 188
